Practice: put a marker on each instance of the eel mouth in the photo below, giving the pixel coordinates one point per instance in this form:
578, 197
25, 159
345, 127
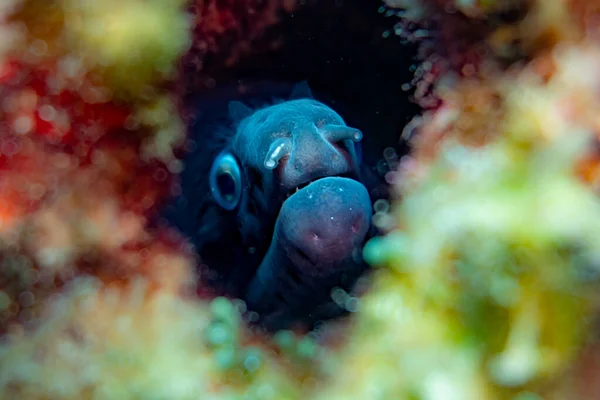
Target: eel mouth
302, 186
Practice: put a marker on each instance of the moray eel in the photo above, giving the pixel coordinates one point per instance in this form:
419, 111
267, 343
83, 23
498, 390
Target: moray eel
274, 200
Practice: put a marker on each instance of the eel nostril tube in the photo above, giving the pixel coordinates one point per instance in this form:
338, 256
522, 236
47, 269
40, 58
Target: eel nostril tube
279, 149
336, 133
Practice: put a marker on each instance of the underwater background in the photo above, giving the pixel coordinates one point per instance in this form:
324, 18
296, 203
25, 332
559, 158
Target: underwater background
481, 116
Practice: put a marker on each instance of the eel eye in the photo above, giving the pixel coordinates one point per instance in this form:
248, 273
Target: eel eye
226, 181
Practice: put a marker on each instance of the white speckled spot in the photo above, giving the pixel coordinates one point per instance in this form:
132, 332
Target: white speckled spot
23, 124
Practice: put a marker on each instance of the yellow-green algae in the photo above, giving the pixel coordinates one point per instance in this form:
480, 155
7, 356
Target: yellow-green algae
488, 282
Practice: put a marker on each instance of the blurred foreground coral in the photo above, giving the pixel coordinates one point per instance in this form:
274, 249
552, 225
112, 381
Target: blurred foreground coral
490, 268
93, 303
486, 279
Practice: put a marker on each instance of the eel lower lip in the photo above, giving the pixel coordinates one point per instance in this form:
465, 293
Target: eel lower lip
317, 232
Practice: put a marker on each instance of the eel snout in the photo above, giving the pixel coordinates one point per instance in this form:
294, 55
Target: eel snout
316, 247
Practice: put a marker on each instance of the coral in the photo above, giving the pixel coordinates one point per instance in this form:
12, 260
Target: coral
488, 279
132, 342
470, 57
480, 39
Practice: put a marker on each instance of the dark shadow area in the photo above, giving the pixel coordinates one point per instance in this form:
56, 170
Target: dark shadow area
337, 46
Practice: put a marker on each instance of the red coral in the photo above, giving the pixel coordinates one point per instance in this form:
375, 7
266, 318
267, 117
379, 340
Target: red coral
75, 191
41, 101
226, 30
